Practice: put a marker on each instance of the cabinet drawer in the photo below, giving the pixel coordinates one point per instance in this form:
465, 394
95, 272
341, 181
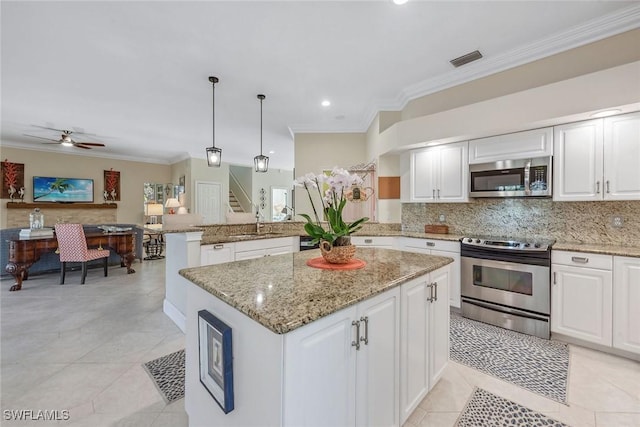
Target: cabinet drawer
440, 245
386, 241
582, 259
249, 245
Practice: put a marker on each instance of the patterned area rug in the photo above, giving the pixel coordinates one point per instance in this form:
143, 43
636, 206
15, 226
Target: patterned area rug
487, 409
535, 364
167, 373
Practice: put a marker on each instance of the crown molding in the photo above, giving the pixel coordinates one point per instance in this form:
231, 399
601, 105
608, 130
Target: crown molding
596, 29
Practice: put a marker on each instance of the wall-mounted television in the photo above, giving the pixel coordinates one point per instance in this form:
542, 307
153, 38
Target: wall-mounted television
62, 190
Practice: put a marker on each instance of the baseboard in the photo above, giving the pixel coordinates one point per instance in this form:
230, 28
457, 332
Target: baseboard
593, 346
175, 315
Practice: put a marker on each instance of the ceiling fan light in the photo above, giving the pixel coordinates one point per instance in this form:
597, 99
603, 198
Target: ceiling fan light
67, 143
214, 156
261, 163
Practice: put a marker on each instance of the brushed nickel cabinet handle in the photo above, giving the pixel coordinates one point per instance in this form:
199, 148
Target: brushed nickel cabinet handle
431, 244
433, 193
218, 246
597, 187
608, 188
368, 240
555, 281
356, 343
581, 260
430, 286
365, 339
438, 193
435, 287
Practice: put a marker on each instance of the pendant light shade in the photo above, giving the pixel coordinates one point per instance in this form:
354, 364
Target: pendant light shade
214, 155
261, 162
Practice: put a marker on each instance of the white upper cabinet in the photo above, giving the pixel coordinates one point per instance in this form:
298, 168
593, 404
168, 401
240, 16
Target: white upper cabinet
622, 157
577, 161
512, 146
438, 174
597, 159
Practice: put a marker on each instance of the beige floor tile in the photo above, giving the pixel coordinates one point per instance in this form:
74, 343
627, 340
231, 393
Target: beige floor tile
573, 415
450, 394
606, 419
171, 419
417, 416
132, 392
439, 419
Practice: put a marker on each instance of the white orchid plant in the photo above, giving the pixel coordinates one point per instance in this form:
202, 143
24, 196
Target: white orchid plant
337, 185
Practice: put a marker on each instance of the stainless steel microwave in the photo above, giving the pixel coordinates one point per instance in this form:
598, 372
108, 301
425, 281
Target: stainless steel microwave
511, 178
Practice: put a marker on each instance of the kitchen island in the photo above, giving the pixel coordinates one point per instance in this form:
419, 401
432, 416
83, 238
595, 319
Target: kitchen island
318, 347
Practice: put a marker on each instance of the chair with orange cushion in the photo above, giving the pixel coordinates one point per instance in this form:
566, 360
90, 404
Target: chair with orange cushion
72, 246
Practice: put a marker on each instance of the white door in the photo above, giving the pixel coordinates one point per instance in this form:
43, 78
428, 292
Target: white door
626, 297
209, 201
377, 379
577, 161
581, 303
454, 172
439, 325
320, 372
414, 341
622, 157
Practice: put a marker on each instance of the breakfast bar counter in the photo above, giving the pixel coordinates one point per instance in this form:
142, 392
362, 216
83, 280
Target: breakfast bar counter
312, 346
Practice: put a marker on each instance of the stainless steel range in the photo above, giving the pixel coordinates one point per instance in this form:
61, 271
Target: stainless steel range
506, 282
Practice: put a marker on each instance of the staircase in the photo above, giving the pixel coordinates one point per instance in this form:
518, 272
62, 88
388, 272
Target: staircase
233, 203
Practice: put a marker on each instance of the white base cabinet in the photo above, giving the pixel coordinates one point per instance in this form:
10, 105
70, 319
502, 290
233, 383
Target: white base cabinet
342, 370
440, 248
248, 249
217, 253
582, 296
424, 338
626, 300
385, 242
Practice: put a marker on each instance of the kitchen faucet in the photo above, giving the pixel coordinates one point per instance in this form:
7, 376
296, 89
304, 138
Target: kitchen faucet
258, 225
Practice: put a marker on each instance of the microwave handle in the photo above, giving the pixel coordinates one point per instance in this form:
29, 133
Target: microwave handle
527, 169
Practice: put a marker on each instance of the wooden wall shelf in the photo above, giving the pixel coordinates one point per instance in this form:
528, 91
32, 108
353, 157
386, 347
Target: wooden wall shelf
16, 205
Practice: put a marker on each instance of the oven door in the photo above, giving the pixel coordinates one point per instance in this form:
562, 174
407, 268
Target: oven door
522, 286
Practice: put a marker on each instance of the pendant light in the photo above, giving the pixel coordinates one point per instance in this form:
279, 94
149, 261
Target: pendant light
261, 162
214, 155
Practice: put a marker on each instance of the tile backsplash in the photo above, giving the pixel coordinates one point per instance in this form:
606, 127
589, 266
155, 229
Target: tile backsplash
585, 222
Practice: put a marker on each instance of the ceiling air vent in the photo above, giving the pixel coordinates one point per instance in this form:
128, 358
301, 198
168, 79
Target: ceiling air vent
465, 59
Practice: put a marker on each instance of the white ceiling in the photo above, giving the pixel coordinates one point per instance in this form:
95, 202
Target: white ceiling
136, 73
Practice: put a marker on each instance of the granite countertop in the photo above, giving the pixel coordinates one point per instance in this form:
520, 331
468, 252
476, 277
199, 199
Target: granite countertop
282, 293
272, 235
597, 248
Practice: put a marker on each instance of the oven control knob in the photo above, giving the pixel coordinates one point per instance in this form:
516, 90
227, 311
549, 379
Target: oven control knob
469, 240
537, 245
477, 240
526, 245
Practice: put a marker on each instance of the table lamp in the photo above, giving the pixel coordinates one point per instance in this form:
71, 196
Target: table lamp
153, 210
172, 203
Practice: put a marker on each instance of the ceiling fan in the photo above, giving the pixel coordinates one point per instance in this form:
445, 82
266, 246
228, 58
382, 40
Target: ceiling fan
66, 140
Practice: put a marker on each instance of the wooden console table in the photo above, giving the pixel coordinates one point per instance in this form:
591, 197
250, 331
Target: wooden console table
23, 253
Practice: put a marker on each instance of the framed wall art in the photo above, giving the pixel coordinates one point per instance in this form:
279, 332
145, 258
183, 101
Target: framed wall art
111, 191
12, 180
216, 359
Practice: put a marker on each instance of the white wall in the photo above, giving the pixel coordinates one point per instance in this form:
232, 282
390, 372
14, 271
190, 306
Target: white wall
315, 152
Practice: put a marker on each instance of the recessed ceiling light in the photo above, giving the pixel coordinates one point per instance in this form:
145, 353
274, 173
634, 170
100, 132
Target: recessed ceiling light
325, 103
272, 152
400, 1
606, 113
